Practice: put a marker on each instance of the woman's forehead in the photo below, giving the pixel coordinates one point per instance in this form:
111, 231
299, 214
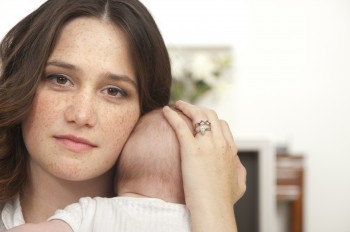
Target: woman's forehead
88, 42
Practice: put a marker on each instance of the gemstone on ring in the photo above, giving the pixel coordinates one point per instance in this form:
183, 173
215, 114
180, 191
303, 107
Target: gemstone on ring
202, 129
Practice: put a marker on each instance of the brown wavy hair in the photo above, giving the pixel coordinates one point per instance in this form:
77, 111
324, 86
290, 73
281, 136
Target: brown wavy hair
25, 50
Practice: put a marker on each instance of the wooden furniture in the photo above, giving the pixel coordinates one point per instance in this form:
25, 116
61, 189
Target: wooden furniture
289, 180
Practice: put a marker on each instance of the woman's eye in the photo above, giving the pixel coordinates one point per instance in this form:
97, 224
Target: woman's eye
59, 79
115, 92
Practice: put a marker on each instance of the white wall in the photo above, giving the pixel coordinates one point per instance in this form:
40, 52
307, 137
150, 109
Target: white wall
291, 81
291, 84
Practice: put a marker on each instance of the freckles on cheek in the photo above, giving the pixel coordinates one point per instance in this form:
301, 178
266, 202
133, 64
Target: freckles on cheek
128, 123
120, 129
72, 170
47, 109
51, 108
41, 116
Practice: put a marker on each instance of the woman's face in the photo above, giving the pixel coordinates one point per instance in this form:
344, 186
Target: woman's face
86, 104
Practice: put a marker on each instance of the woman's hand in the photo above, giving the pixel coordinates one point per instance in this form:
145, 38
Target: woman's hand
214, 178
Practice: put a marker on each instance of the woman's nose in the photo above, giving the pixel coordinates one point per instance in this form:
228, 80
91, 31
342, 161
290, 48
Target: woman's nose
81, 110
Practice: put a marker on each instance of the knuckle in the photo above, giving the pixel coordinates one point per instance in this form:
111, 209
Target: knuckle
223, 122
212, 113
234, 148
244, 170
244, 188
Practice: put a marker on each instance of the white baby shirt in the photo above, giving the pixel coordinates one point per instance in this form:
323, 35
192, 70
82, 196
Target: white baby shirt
127, 214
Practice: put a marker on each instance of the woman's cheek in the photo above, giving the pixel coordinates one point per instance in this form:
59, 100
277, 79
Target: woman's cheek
118, 128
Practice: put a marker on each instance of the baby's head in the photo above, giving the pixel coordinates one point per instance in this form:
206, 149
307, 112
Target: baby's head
149, 164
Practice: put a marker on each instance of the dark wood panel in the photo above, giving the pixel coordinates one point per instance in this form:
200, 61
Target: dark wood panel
247, 208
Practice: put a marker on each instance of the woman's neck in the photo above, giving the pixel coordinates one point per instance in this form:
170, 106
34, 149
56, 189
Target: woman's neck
42, 195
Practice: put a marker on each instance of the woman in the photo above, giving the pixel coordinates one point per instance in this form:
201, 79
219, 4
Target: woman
76, 76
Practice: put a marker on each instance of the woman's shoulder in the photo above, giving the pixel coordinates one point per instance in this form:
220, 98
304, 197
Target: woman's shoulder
11, 214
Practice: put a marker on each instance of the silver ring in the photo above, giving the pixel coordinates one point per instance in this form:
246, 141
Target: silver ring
203, 126
202, 122
202, 129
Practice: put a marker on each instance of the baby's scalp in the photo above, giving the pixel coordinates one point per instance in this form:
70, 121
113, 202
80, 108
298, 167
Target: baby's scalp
152, 156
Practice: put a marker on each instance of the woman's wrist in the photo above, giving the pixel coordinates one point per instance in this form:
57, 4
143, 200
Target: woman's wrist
212, 216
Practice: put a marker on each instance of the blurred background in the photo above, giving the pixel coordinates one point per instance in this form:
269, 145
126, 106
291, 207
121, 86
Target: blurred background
285, 94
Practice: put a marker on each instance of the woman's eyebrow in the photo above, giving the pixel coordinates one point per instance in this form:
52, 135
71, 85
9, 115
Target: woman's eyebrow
62, 65
116, 77
109, 75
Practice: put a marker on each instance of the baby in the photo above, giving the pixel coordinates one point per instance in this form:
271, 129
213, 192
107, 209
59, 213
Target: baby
148, 184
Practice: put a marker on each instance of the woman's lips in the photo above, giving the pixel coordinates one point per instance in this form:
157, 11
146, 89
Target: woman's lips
74, 143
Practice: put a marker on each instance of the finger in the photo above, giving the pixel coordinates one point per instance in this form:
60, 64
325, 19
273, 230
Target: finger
226, 131
229, 137
199, 115
195, 113
187, 120
182, 131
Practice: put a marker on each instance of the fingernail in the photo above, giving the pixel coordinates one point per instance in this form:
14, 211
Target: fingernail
166, 108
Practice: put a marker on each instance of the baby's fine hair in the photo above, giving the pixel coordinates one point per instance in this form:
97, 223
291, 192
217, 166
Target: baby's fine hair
152, 155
